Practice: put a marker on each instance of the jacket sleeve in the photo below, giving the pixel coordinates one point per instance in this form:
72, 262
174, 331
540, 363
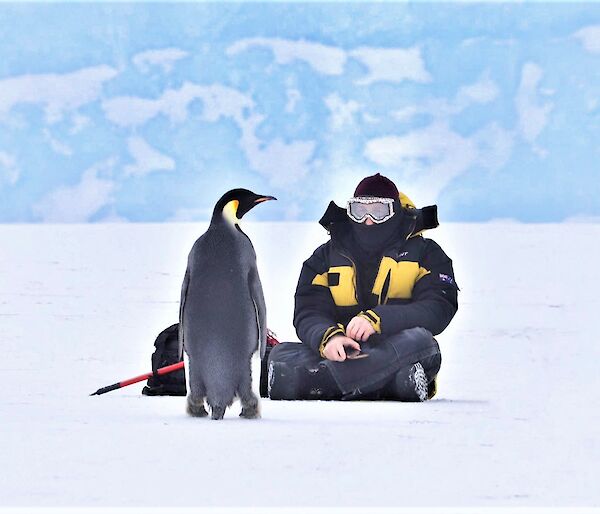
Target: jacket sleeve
314, 308
434, 297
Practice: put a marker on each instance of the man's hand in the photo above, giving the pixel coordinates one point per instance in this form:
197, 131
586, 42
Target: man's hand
334, 349
359, 329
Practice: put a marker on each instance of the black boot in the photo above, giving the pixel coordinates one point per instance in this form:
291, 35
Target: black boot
286, 382
409, 385
263, 386
281, 381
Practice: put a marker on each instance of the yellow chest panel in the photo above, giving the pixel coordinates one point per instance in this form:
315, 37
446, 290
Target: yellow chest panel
394, 280
343, 290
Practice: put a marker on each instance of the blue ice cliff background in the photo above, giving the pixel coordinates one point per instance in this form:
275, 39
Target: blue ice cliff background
149, 111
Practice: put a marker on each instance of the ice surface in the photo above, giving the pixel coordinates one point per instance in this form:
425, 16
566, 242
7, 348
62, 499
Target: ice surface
515, 422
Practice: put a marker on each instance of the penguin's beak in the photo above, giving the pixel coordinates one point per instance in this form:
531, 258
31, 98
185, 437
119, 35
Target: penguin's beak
264, 199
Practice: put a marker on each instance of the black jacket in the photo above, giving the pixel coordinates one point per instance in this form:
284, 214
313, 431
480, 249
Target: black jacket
414, 282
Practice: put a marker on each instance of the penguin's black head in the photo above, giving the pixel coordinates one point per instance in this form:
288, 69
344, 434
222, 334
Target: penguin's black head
235, 203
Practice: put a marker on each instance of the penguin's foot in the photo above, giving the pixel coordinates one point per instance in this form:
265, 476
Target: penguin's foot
250, 406
250, 412
217, 412
196, 409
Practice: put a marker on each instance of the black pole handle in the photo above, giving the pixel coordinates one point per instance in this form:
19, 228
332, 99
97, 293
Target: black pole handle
107, 389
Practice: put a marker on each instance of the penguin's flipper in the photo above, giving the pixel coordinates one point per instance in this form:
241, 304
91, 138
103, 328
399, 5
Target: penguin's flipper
258, 299
184, 289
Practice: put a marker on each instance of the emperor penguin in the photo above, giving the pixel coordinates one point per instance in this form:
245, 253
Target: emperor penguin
222, 314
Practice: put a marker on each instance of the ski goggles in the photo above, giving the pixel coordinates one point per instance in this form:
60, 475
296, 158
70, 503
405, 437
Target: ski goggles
378, 209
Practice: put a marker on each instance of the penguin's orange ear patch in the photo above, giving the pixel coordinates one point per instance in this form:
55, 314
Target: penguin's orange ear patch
230, 211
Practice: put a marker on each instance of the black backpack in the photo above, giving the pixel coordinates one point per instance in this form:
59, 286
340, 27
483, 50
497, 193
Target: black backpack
165, 354
173, 384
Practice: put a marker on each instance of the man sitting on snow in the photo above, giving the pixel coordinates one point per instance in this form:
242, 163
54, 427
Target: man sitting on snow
368, 304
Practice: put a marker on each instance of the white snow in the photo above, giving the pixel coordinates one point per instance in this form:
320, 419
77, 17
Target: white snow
294, 96
218, 101
533, 114
56, 145
383, 64
391, 65
59, 93
146, 158
342, 112
428, 158
328, 60
589, 37
282, 163
78, 203
431, 157
484, 91
515, 422
164, 58
9, 172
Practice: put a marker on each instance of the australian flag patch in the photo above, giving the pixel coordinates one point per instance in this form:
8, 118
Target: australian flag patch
446, 278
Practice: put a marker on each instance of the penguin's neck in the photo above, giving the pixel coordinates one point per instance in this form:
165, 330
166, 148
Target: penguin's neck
226, 215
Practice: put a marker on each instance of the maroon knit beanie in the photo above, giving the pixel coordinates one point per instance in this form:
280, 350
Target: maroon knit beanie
377, 185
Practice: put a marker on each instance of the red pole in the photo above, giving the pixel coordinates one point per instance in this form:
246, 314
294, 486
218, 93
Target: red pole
271, 341
145, 376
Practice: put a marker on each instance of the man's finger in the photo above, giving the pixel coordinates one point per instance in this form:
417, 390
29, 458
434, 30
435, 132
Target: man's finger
342, 353
351, 329
354, 345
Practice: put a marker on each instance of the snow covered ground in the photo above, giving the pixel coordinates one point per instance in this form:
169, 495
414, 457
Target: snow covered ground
515, 422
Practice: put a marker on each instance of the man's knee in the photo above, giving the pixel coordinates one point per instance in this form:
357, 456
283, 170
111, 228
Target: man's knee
420, 353
413, 344
419, 336
282, 350
294, 354
423, 342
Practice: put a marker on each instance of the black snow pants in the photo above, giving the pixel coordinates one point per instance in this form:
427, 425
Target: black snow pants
365, 378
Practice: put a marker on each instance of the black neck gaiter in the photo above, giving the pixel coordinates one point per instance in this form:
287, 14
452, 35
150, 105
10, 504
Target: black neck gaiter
370, 241
373, 239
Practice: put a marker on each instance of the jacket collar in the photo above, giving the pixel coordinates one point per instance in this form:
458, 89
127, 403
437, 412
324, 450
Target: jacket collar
336, 221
